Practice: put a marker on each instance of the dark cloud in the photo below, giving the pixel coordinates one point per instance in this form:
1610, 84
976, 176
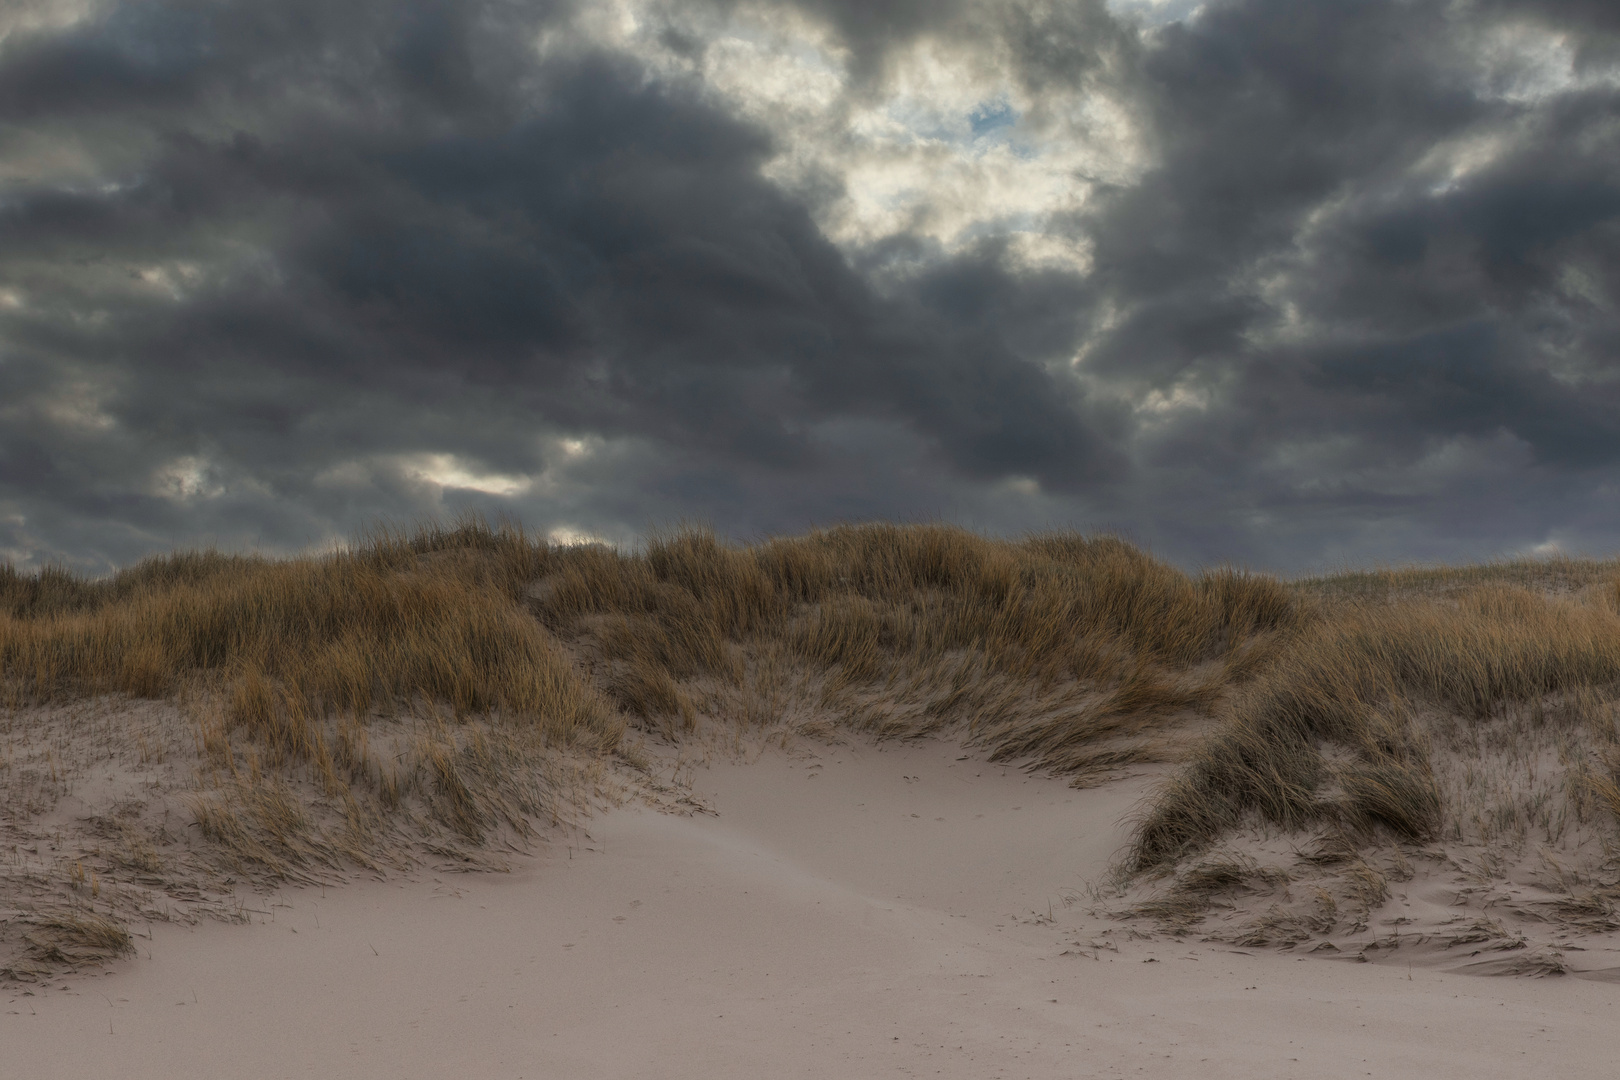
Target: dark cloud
1361, 243
408, 259
268, 272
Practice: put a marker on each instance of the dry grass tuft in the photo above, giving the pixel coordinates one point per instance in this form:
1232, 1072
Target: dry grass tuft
1349, 683
77, 938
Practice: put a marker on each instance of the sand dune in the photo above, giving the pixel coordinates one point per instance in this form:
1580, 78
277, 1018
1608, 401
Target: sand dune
844, 912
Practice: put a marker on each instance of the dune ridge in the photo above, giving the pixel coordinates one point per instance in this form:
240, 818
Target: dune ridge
201, 721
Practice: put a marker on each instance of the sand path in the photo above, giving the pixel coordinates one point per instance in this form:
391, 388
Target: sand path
866, 914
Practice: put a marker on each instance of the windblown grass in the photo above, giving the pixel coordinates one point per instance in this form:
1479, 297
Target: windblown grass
377, 627
501, 649
78, 938
423, 684
1338, 728
1554, 575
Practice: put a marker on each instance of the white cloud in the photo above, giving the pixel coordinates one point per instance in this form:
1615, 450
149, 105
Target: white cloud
950, 148
1528, 65
571, 536
24, 16
186, 479
1183, 395
1451, 162
1022, 485
450, 471
174, 279
576, 449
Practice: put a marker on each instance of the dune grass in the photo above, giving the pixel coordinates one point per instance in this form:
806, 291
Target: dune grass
419, 683
440, 616
1035, 646
304, 638
501, 649
1339, 726
78, 939
1553, 575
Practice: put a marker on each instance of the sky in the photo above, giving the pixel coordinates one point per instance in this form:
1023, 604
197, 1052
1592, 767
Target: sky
1292, 284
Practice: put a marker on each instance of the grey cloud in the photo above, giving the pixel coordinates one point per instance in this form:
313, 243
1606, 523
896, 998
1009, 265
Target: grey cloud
1594, 23
1296, 249
258, 263
1044, 45
400, 253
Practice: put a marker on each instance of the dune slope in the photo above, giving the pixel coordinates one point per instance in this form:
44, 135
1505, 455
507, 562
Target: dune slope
843, 911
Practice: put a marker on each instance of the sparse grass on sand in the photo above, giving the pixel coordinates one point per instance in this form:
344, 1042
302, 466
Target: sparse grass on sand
436, 693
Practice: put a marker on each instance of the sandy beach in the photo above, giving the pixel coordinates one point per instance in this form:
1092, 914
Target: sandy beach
848, 911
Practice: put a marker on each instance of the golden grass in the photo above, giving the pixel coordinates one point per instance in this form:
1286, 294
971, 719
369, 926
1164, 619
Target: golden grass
1558, 574
304, 638
1061, 648
78, 938
1074, 653
423, 681
1350, 684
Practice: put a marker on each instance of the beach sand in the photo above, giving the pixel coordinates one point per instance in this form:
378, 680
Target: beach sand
845, 911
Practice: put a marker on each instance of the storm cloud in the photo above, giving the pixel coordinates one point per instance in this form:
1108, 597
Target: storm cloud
1289, 283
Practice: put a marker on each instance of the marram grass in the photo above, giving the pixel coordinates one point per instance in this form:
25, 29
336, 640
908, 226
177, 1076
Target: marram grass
1071, 653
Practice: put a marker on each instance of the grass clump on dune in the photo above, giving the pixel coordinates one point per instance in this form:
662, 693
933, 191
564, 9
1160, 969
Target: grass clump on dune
1353, 682
304, 638
1038, 648
340, 709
